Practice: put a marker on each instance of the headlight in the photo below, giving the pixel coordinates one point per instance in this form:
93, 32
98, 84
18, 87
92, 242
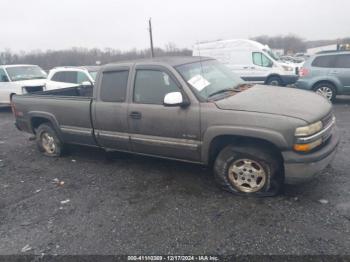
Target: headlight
288, 68
309, 130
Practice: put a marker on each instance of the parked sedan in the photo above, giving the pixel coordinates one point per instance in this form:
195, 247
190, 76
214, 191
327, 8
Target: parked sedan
327, 74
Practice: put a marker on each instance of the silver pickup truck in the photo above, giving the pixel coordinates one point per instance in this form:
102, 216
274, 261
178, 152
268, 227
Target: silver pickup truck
190, 109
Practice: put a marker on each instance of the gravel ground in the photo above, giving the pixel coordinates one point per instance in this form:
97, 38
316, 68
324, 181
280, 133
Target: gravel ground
124, 204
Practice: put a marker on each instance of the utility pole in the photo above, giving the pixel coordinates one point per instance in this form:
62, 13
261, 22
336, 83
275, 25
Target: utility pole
150, 36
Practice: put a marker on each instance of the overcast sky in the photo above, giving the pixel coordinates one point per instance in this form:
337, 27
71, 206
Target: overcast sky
57, 24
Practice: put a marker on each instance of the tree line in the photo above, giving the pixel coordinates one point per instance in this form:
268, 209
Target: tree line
78, 56
83, 56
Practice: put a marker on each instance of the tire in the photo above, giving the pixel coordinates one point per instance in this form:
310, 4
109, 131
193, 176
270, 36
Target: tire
254, 164
327, 90
274, 81
48, 142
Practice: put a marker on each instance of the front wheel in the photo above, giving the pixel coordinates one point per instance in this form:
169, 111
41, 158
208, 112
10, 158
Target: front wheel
47, 141
248, 170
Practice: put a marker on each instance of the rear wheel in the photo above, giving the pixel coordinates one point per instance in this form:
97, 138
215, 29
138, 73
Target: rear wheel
248, 170
274, 81
47, 141
326, 90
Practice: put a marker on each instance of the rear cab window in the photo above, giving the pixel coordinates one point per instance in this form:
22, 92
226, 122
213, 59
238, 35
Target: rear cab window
114, 86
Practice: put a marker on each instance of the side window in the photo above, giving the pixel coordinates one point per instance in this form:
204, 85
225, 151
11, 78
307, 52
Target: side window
65, 77
266, 62
58, 77
257, 59
324, 61
82, 77
114, 85
343, 61
3, 76
261, 60
70, 77
151, 86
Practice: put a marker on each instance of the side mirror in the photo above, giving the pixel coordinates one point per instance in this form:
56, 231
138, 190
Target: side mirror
174, 99
86, 84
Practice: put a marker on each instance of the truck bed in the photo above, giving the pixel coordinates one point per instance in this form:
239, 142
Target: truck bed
69, 110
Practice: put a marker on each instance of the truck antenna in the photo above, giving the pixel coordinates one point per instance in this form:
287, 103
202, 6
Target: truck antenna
151, 36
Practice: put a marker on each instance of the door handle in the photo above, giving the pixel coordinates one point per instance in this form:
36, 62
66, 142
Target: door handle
135, 115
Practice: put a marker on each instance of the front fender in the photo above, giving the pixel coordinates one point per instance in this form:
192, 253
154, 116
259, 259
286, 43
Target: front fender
211, 133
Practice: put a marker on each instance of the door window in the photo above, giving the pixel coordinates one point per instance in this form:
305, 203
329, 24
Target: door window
114, 85
3, 76
261, 60
151, 86
324, 61
343, 61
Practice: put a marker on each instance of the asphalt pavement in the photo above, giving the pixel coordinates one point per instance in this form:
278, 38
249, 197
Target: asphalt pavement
91, 202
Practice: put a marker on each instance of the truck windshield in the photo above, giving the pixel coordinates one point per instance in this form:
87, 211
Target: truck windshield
93, 74
209, 77
272, 54
25, 73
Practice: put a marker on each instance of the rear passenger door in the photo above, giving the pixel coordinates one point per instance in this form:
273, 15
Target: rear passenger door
110, 109
161, 130
343, 70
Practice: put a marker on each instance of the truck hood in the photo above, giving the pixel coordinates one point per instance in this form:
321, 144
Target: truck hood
33, 82
284, 101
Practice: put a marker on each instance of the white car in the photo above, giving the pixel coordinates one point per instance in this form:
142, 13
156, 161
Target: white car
63, 77
250, 60
20, 79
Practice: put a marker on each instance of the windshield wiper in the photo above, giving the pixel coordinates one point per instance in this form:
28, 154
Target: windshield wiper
222, 91
238, 88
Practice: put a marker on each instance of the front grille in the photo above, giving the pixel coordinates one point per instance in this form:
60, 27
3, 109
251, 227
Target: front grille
33, 89
327, 119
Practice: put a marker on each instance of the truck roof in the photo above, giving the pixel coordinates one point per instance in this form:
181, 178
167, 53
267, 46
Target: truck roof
171, 60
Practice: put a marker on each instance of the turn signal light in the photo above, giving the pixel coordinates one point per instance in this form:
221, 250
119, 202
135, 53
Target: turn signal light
307, 147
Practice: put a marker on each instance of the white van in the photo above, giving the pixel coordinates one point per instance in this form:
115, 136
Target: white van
20, 79
251, 60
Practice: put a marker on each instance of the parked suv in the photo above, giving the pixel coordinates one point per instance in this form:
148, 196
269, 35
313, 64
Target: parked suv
63, 77
327, 74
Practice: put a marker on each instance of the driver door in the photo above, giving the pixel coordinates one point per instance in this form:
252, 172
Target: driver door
155, 129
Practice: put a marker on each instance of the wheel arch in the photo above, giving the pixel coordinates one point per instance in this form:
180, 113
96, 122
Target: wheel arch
38, 118
327, 81
273, 75
215, 141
